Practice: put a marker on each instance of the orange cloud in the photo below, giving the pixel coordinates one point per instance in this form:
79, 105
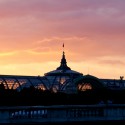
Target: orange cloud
32, 33
6, 54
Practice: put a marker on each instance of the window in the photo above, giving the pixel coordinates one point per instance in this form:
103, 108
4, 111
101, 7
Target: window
84, 86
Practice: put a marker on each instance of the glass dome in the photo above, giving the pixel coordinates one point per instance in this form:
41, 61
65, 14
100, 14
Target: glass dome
62, 78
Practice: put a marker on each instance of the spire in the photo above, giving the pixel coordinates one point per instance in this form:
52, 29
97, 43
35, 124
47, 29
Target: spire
63, 60
63, 65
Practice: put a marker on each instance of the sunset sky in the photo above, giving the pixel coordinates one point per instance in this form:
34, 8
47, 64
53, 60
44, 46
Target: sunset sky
32, 33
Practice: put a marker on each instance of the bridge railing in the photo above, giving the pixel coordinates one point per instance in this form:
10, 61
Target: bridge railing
62, 113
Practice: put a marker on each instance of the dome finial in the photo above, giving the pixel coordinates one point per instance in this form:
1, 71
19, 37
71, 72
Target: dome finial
63, 66
63, 47
63, 51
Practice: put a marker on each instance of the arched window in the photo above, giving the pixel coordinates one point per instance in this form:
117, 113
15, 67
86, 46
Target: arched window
84, 86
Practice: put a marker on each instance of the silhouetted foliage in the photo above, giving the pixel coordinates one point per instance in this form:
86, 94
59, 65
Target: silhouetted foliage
33, 96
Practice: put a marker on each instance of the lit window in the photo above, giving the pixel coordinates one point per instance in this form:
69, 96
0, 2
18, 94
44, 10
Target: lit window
84, 87
41, 87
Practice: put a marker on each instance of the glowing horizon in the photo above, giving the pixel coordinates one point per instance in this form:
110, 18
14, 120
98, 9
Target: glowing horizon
32, 33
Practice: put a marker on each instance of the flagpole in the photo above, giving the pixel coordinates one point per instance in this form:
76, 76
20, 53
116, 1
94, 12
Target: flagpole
63, 47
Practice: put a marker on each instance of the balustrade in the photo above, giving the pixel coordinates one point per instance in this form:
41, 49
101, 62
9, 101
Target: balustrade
62, 113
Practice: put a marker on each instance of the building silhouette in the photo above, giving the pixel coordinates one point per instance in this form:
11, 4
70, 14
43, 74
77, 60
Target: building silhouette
63, 79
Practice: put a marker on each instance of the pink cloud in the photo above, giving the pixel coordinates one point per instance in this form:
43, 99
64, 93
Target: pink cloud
89, 28
112, 62
24, 7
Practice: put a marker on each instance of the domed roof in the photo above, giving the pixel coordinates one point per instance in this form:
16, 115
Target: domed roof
87, 77
94, 81
63, 69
